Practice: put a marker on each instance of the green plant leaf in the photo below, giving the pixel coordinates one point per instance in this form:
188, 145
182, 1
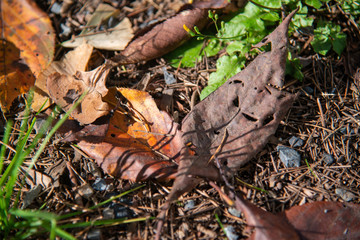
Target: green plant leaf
293, 68
301, 20
187, 54
339, 43
327, 35
314, 3
270, 16
227, 66
269, 3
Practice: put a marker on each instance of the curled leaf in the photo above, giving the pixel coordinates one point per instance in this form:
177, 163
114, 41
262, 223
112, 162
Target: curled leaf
163, 37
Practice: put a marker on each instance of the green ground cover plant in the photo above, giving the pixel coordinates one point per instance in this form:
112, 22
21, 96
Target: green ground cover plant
239, 31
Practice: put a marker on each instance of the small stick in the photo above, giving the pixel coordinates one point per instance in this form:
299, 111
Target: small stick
219, 148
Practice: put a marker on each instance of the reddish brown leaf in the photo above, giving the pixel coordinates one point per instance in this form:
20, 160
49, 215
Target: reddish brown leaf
141, 142
326, 220
163, 37
312, 221
28, 36
267, 225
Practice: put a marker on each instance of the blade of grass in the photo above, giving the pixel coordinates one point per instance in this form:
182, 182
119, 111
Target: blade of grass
4, 142
251, 186
106, 222
220, 223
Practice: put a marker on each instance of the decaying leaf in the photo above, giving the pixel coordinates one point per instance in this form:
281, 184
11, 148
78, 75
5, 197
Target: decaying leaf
326, 220
65, 89
317, 220
138, 142
163, 37
28, 43
267, 225
235, 122
73, 61
115, 38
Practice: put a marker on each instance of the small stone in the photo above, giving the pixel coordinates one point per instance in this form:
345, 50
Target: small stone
169, 78
189, 204
39, 123
100, 185
231, 233
289, 156
233, 211
94, 234
122, 212
86, 190
31, 195
108, 213
345, 195
56, 8
296, 142
328, 158
66, 30
309, 90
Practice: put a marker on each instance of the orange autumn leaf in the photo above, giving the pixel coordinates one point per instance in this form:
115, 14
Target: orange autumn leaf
138, 142
27, 47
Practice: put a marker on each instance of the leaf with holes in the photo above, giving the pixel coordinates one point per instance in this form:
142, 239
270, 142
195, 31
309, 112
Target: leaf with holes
235, 122
65, 89
27, 47
73, 61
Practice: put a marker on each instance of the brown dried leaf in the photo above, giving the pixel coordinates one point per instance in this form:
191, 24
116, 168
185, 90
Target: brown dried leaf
138, 142
73, 61
163, 37
326, 220
65, 89
317, 220
267, 225
235, 122
27, 47
115, 38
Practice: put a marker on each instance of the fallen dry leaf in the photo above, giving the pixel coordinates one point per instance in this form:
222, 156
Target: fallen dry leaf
65, 90
73, 61
326, 220
163, 37
235, 122
317, 220
115, 38
138, 142
28, 41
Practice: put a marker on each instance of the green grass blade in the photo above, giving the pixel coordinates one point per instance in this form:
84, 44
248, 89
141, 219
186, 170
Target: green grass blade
6, 137
106, 222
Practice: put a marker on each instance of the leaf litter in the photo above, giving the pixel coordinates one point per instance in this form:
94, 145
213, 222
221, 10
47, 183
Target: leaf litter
215, 152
